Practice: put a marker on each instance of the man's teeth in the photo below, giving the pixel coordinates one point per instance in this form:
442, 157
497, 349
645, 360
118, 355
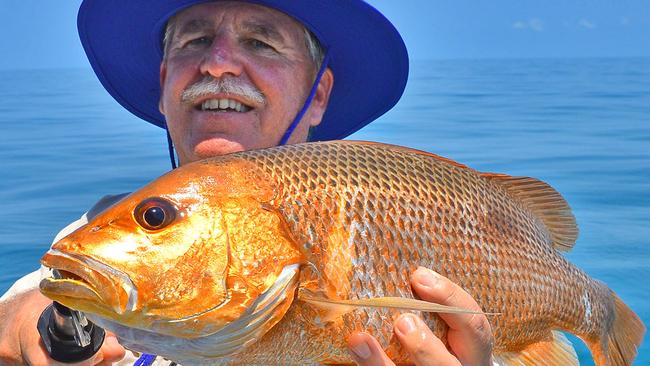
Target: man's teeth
223, 104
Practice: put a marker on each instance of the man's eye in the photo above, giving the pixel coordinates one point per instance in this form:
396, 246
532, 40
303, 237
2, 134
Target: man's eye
199, 41
259, 45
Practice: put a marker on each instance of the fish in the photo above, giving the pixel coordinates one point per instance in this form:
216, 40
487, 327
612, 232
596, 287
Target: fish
275, 256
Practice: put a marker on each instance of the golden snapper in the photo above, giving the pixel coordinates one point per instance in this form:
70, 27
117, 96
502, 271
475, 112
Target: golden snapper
235, 259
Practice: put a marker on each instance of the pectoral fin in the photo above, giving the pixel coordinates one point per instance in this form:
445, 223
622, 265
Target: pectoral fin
337, 307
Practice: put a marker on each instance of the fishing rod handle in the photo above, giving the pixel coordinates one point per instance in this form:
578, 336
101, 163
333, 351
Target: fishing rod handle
67, 335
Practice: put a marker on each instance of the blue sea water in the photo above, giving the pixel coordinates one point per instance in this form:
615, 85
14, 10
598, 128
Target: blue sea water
582, 125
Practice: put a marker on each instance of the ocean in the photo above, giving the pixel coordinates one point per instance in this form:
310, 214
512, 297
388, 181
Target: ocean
582, 125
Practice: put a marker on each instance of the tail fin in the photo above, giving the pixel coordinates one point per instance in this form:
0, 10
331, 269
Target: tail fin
620, 344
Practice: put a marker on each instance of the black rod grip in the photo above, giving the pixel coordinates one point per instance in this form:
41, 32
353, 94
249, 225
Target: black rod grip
54, 326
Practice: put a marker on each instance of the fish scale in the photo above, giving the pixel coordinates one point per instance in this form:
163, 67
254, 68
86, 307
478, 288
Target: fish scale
451, 193
362, 217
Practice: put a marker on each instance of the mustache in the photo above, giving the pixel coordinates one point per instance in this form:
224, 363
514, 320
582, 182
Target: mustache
225, 85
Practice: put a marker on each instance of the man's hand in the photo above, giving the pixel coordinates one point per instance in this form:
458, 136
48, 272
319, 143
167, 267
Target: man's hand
470, 336
20, 343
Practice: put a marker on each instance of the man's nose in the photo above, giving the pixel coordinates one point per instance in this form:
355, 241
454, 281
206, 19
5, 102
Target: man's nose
222, 57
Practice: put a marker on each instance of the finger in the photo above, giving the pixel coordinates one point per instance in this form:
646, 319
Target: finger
421, 344
470, 335
111, 350
366, 351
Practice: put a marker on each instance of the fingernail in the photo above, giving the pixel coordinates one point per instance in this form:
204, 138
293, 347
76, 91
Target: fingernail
111, 341
361, 350
113, 344
427, 277
406, 324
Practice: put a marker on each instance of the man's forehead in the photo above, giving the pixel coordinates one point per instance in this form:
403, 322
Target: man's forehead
252, 17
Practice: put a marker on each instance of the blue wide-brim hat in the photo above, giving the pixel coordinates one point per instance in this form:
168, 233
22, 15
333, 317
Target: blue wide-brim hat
123, 40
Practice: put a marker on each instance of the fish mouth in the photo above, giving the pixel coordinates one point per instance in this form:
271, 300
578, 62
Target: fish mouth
86, 284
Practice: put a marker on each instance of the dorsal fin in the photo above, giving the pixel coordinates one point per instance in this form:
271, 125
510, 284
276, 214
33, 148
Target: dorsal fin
542, 199
401, 149
545, 202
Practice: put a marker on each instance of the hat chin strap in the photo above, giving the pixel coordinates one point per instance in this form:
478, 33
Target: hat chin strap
308, 101
294, 124
170, 147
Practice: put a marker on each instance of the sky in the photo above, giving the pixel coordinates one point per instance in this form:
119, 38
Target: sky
42, 33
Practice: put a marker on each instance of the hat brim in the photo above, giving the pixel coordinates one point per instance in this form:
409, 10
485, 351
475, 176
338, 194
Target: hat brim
123, 42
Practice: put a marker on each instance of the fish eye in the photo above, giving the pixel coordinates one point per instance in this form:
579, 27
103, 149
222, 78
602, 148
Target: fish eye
154, 213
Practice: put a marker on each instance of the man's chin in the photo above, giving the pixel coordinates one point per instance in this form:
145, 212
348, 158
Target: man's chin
215, 147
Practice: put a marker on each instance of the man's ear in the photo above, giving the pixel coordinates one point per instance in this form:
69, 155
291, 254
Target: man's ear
321, 98
163, 77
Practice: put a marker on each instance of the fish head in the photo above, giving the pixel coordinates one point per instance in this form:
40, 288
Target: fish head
184, 256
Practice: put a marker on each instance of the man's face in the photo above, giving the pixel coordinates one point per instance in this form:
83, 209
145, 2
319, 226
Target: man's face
253, 48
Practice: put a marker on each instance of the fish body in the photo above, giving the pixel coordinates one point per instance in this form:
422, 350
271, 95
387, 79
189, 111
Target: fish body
234, 259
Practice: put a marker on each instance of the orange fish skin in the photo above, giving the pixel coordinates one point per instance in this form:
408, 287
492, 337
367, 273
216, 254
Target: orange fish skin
370, 214
360, 218
199, 264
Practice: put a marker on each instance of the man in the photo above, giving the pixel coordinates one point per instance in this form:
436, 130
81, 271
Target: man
234, 76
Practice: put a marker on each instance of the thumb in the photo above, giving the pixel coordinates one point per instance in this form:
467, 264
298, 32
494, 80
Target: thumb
111, 350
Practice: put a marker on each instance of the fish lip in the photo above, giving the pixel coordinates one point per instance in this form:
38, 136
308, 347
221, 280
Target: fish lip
96, 275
